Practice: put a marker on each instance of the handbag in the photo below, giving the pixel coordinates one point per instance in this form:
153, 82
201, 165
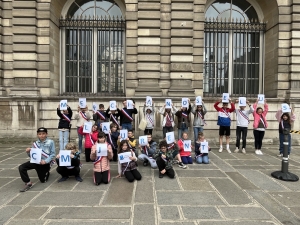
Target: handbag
143, 124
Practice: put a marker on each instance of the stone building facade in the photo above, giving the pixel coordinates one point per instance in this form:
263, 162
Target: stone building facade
163, 54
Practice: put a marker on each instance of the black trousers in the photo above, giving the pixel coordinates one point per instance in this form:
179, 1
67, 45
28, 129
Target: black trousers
87, 152
101, 177
41, 170
166, 130
258, 136
133, 174
241, 131
162, 165
65, 172
115, 156
148, 131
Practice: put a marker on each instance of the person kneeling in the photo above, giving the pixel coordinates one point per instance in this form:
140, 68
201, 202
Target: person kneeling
74, 169
164, 160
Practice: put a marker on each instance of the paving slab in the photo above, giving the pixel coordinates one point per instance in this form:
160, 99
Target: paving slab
67, 185
230, 192
23, 198
9, 191
31, 212
225, 155
237, 222
245, 213
166, 183
89, 213
261, 180
200, 173
241, 180
223, 166
196, 166
169, 213
143, 214
194, 198
289, 199
144, 191
177, 223
7, 212
27, 222
201, 184
200, 213
119, 193
87, 185
4, 181
249, 162
283, 214
84, 222
64, 198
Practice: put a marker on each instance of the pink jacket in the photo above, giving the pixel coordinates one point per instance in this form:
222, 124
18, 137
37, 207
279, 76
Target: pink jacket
103, 165
90, 139
257, 116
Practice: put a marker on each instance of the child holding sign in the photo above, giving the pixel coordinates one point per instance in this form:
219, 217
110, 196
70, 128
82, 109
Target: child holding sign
185, 151
112, 139
126, 114
99, 116
81, 116
199, 111
224, 121
64, 125
259, 125
285, 122
90, 139
199, 156
101, 163
113, 113
42, 165
74, 169
164, 160
129, 169
168, 121
183, 117
147, 152
149, 113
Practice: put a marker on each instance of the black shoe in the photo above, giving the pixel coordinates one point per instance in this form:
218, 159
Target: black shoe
145, 163
47, 176
63, 179
161, 175
26, 188
78, 178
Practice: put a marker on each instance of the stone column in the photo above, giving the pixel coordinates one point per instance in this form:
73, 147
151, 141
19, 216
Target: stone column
1, 53
148, 65
131, 47
182, 16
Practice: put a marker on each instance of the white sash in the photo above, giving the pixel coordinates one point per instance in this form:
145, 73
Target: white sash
149, 118
83, 116
126, 114
243, 115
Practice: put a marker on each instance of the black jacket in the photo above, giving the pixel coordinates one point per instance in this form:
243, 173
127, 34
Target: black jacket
63, 123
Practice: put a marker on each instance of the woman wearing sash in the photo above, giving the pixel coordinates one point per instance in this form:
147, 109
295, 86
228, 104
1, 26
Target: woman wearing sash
199, 111
101, 163
242, 122
64, 126
149, 117
260, 124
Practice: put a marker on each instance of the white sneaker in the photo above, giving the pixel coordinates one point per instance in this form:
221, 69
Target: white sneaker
236, 150
221, 150
228, 150
260, 152
280, 155
257, 152
244, 151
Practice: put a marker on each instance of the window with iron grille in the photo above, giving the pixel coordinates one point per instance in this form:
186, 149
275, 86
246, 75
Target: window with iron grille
93, 36
234, 49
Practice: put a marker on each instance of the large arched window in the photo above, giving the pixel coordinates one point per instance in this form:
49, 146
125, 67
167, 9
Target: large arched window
92, 49
234, 48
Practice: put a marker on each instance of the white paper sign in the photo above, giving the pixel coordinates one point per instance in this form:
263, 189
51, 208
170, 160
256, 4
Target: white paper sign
124, 157
185, 102
35, 155
143, 140
63, 105
261, 99
123, 134
129, 104
95, 106
168, 104
105, 127
82, 103
285, 108
204, 147
225, 97
198, 100
148, 101
170, 137
65, 158
187, 146
242, 101
113, 105
101, 150
87, 127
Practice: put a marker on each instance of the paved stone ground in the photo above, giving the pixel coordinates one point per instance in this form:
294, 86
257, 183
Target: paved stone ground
234, 189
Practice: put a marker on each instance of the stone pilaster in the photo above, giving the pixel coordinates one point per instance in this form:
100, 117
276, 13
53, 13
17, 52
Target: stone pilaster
148, 64
1, 53
181, 71
131, 47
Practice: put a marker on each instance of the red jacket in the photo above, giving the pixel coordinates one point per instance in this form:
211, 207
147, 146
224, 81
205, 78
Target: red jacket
181, 149
90, 139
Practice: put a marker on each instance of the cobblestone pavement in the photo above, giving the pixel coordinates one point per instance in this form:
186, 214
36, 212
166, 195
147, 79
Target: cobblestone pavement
234, 189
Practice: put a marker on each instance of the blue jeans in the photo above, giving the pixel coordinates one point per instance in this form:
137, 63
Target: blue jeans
63, 139
126, 126
79, 140
196, 131
202, 159
281, 140
180, 131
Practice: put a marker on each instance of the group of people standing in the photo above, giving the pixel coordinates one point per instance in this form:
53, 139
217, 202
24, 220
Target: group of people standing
162, 157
